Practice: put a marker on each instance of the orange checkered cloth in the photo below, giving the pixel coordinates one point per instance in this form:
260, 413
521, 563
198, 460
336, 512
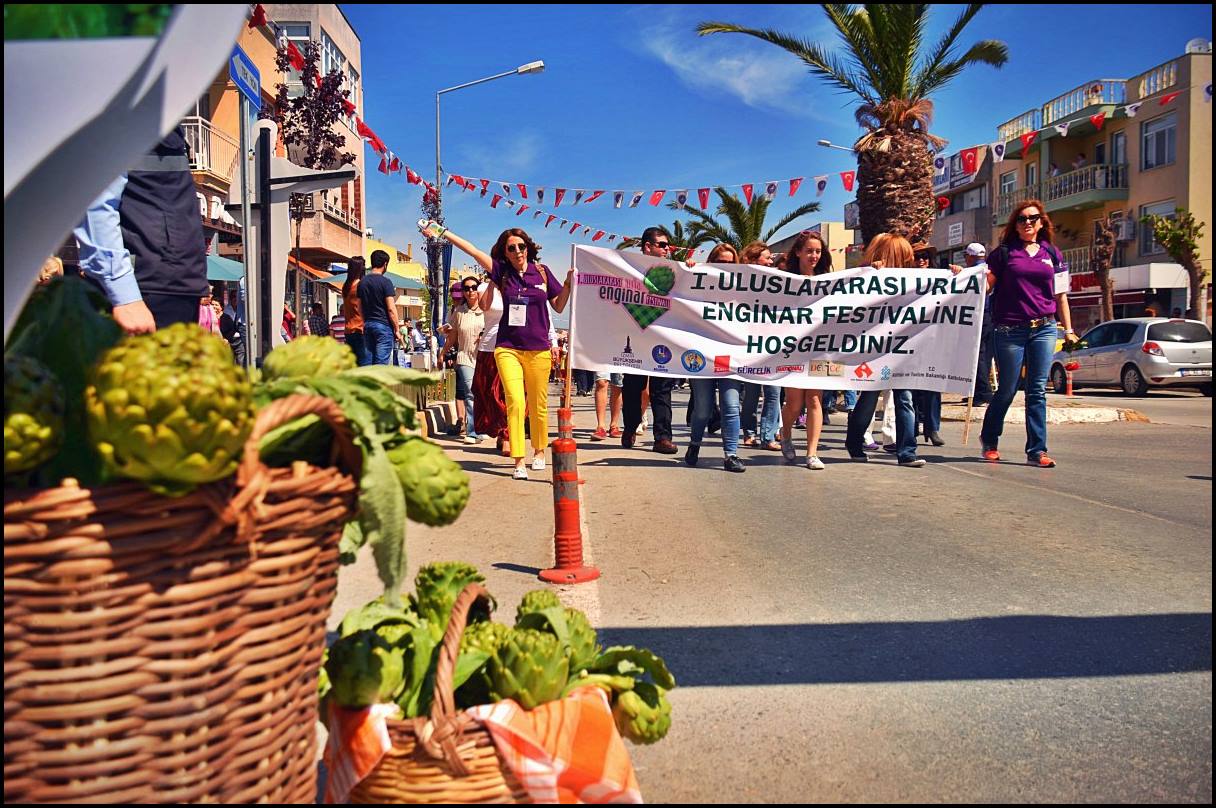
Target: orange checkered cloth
566, 751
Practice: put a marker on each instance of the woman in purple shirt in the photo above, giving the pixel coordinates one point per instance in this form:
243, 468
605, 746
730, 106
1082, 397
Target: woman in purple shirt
522, 353
1022, 275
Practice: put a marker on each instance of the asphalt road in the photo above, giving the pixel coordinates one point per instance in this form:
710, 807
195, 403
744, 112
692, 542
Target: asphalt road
961, 632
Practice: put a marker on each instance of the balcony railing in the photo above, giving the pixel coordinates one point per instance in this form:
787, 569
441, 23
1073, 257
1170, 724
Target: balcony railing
211, 150
1055, 191
1077, 259
1159, 78
1028, 121
1098, 91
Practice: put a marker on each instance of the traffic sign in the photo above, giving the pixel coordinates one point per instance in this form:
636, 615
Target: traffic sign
246, 77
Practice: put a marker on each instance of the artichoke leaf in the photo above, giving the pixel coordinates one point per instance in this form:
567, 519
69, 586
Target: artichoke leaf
611, 662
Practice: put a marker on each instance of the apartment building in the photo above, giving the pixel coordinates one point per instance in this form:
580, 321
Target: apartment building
1149, 152
967, 216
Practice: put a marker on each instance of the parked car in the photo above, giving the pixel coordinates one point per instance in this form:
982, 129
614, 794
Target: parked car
1138, 353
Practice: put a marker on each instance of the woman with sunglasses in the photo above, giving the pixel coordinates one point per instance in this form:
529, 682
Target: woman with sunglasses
463, 331
758, 254
1021, 275
522, 352
808, 255
928, 402
728, 391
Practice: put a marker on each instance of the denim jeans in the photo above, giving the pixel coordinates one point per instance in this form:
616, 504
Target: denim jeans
464, 391
850, 399
928, 410
1013, 346
703, 394
378, 342
770, 415
355, 340
905, 426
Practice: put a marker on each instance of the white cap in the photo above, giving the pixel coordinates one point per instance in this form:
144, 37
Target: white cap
976, 249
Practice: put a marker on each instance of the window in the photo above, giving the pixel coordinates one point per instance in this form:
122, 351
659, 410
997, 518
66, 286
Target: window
352, 84
1009, 181
1184, 331
976, 198
1159, 141
1097, 337
299, 33
1100, 154
1118, 148
1032, 177
1149, 245
1122, 333
331, 56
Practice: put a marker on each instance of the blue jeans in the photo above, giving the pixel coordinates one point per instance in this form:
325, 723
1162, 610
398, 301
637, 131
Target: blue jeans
1013, 346
703, 396
355, 340
770, 415
464, 391
378, 342
905, 426
850, 399
929, 410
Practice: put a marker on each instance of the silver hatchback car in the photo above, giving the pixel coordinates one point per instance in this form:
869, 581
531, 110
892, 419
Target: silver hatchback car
1138, 353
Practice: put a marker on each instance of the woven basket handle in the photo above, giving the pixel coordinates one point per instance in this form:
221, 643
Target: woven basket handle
443, 734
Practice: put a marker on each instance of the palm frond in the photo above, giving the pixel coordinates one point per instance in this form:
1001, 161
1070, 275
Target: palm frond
802, 210
946, 45
989, 52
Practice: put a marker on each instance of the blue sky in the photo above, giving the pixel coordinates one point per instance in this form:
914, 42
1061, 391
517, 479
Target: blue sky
632, 99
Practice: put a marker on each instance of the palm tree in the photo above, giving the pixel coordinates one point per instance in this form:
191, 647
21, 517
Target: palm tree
744, 223
884, 66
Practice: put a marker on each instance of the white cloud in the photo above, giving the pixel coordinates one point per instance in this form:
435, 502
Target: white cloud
515, 154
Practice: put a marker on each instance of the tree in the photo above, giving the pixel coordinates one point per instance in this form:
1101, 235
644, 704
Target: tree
744, 223
306, 125
884, 66
1180, 235
1102, 253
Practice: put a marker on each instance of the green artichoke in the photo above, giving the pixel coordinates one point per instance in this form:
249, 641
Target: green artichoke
364, 669
308, 357
436, 487
33, 414
584, 646
170, 409
436, 587
530, 667
487, 637
643, 714
537, 600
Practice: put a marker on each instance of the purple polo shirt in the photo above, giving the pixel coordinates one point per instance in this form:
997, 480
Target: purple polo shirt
537, 289
1025, 286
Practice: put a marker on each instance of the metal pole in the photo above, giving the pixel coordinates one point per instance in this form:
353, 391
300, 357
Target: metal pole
264, 263
246, 223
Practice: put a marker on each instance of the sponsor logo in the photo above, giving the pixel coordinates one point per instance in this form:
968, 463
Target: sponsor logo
661, 354
863, 371
885, 373
626, 362
790, 368
822, 368
628, 349
742, 371
721, 364
693, 361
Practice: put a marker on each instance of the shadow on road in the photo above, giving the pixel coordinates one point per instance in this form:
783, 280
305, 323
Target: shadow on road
1023, 647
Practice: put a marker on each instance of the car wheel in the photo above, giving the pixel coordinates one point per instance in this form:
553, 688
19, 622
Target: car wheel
1059, 380
1206, 389
1133, 381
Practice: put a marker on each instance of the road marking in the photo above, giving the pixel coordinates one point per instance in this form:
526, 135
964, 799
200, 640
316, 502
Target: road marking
1086, 500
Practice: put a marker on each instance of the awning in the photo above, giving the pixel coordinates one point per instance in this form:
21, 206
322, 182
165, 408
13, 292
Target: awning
319, 274
224, 269
399, 281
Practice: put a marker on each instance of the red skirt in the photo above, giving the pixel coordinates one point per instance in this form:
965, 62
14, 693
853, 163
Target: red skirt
489, 403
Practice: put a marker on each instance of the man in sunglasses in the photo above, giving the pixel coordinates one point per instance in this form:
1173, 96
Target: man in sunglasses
654, 243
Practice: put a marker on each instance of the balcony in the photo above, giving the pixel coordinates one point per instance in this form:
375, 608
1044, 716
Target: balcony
1077, 259
1086, 187
212, 151
1028, 121
1091, 94
1159, 78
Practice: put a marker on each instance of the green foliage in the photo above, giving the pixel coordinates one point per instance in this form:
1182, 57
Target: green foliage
365, 668
33, 414
1179, 235
84, 20
744, 223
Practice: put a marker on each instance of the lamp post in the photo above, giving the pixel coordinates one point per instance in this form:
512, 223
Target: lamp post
827, 144
433, 249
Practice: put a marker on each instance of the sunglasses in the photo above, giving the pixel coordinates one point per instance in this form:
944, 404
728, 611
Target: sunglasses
517, 248
470, 288
924, 256
662, 245
1029, 219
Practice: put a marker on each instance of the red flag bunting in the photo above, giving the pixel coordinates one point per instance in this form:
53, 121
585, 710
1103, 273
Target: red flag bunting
657, 197
747, 192
1098, 120
410, 175
494, 202
258, 18
576, 227
599, 234
485, 186
549, 221
1168, 97
794, 183
383, 165
294, 56
469, 185
970, 158
458, 179
522, 208
847, 178
316, 79
703, 197
1027, 139
348, 106
523, 190
594, 196
395, 165
557, 197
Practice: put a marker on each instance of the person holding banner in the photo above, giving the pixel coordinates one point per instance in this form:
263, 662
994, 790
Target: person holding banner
758, 254
928, 402
1025, 304
654, 243
808, 255
523, 350
728, 390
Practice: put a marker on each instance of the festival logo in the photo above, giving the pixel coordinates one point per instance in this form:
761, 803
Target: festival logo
659, 280
693, 361
661, 354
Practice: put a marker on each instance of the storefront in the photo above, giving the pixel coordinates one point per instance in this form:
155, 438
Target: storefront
1162, 286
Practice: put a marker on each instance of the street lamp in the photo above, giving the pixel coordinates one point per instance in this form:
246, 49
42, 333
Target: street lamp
827, 144
530, 67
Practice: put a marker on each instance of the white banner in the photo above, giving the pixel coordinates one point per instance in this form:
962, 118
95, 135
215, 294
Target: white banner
860, 329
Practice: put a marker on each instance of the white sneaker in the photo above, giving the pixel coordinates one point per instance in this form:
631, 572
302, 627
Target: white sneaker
469, 439
642, 426
787, 450
814, 463
538, 463
521, 473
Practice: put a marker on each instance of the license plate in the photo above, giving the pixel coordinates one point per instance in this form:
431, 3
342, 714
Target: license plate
1196, 372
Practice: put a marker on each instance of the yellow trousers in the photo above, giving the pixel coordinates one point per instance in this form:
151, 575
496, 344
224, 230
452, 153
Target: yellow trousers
525, 383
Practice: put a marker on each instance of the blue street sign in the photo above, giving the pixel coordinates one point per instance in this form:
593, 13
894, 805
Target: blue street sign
242, 71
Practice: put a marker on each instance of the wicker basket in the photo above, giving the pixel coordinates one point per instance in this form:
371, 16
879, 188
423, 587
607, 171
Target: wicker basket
448, 757
166, 650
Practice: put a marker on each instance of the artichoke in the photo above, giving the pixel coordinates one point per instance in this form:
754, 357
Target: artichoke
584, 647
643, 714
436, 487
487, 637
364, 669
436, 587
530, 667
537, 600
308, 357
33, 414
170, 409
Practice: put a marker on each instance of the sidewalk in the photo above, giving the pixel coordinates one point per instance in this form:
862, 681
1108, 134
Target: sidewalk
1060, 410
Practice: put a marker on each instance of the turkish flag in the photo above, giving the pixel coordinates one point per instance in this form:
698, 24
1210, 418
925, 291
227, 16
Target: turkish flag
1098, 120
794, 183
383, 165
747, 192
703, 197
348, 106
410, 175
1168, 97
522, 208
294, 56
657, 197
970, 157
594, 196
558, 195
1027, 139
523, 190
395, 165
485, 186
599, 234
258, 18
847, 177
549, 221
576, 227
494, 202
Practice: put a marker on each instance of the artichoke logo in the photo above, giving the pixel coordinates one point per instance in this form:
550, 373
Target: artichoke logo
659, 280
